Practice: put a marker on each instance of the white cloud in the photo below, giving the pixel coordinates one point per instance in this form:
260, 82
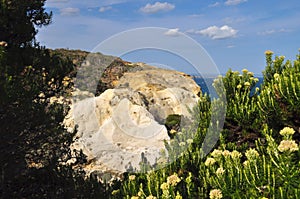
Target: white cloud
105, 8
215, 32
273, 31
157, 7
214, 5
234, 2
69, 11
267, 32
231, 20
196, 15
191, 31
173, 32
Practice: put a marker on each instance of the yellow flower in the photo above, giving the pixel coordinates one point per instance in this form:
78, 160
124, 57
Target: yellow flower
132, 177
209, 162
172, 132
189, 141
65, 83
287, 131
269, 52
276, 76
135, 197
179, 133
256, 89
44, 74
247, 84
216, 153
245, 70
182, 144
173, 179
288, 145
251, 154
215, 194
216, 81
42, 95
239, 86
226, 153
235, 155
178, 196
220, 171
140, 193
151, 197
66, 78
246, 163
250, 73
164, 186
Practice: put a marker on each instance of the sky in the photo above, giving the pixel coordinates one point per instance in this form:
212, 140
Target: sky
233, 33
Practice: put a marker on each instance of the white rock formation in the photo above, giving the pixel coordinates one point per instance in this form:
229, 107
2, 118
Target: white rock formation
117, 126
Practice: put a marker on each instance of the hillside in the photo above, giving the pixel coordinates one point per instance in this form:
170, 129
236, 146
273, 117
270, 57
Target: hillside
258, 143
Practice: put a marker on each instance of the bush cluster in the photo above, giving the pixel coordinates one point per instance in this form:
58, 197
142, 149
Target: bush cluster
258, 152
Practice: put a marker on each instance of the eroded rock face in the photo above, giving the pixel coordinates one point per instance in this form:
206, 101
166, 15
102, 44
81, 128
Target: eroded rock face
115, 128
164, 92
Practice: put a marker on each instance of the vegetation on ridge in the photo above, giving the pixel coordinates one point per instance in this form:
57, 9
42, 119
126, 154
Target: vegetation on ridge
257, 155
258, 152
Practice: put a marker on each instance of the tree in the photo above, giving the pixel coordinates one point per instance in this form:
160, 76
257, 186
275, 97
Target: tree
19, 21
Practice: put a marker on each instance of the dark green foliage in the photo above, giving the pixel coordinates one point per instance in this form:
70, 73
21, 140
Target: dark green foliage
19, 19
269, 170
173, 122
279, 101
35, 146
273, 67
26, 72
35, 137
242, 119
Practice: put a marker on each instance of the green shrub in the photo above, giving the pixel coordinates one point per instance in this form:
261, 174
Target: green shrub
279, 100
242, 123
268, 169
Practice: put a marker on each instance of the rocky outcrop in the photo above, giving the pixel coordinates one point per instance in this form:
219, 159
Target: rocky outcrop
126, 122
115, 71
163, 92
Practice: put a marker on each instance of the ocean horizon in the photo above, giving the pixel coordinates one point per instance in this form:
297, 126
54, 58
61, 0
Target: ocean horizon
205, 83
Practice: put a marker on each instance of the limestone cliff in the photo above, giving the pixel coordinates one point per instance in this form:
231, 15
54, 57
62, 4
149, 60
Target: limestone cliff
127, 119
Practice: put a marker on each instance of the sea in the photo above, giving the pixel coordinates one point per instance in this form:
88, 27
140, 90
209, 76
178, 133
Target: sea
205, 84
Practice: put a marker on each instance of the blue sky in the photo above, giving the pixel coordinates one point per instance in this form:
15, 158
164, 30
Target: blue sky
235, 33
